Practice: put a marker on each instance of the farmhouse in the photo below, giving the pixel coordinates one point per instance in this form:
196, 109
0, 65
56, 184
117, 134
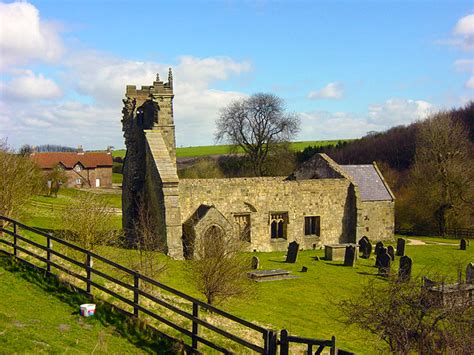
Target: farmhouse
83, 169
320, 203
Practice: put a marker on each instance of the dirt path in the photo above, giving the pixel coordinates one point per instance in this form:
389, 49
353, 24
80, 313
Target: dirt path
420, 242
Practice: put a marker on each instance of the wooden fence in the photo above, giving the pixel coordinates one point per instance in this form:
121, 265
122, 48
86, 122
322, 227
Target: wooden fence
450, 233
269, 338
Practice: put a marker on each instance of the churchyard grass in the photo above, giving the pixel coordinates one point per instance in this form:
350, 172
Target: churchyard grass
307, 305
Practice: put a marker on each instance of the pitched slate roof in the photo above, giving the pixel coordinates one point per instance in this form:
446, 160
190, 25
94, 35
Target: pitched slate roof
370, 183
88, 160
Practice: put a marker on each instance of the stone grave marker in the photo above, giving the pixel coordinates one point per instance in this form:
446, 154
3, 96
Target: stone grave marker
404, 271
255, 262
368, 250
304, 269
378, 246
463, 244
292, 252
470, 273
401, 246
391, 252
380, 252
365, 248
349, 256
384, 268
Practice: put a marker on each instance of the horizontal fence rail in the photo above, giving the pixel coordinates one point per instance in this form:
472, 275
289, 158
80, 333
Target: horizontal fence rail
267, 345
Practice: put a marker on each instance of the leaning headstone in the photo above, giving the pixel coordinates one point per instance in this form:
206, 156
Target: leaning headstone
384, 268
362, 244
470, 273
292, 252
304, 269
391, 252
378, 246
349, 256
404, 271
463, 244
400, 247
255, 262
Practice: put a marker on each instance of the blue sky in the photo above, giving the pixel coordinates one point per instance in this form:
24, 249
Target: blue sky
345, 67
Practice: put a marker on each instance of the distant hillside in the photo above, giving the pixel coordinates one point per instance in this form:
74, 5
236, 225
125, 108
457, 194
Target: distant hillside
396, 146
189, 152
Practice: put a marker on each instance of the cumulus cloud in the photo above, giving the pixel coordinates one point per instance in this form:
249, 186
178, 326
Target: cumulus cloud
396, 111
379, 117
99, 80
25, 37
29, 86
463, 34
332, 91
470, 83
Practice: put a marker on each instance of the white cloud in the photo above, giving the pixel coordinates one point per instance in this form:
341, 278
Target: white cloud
470, 83
396, 111
333, 91
25, 37
464, 65
379, 117
28, 86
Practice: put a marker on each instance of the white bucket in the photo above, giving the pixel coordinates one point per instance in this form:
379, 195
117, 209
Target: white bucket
87, 309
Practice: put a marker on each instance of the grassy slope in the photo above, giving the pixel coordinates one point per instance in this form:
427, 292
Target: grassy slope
33, 321
306, 306
224, 149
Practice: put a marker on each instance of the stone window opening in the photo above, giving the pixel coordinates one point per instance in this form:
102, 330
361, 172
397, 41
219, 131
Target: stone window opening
278, 225
312, 226
242, 223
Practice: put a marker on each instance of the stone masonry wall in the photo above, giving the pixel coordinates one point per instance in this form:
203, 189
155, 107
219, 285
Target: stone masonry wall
376, 220
328, 198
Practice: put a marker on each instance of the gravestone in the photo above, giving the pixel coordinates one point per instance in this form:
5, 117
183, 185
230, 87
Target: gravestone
463, 244
401, 246
349, 256
255, 262
381, 251
304, 269
470, 273
384, 262
365, 248
378, 246
391, 252
404, 271
292, 252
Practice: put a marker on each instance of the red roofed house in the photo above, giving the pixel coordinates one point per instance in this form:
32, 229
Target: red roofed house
83, 169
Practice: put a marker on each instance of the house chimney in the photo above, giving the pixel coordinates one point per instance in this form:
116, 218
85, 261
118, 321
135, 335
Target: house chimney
109, 149
80, 150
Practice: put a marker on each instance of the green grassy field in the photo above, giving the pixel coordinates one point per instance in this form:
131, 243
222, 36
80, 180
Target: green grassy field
32, 320
306, 306
224, 149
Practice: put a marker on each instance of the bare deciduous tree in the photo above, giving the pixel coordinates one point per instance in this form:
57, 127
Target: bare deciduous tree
89, 221
257, 124
410, 319
148, 243
443, 173
20, 179
56, 177
219, 269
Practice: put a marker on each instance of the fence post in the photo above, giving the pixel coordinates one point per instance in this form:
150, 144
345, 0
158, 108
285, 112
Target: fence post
88, 271
333, 350
14, 239
48, 254
136, 286
284, 344
195, 326
270, 346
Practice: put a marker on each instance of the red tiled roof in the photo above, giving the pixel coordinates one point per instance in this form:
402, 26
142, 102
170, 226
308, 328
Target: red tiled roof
70, 159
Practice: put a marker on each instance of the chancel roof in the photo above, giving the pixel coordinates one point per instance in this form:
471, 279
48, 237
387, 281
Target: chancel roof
370, 183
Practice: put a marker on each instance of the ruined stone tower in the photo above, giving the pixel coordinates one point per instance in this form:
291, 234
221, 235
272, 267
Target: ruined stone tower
150, 180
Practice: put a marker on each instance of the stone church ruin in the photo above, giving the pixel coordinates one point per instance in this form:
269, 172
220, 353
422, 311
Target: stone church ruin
320, 203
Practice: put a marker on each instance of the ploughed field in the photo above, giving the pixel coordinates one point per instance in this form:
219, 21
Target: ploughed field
307, 305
